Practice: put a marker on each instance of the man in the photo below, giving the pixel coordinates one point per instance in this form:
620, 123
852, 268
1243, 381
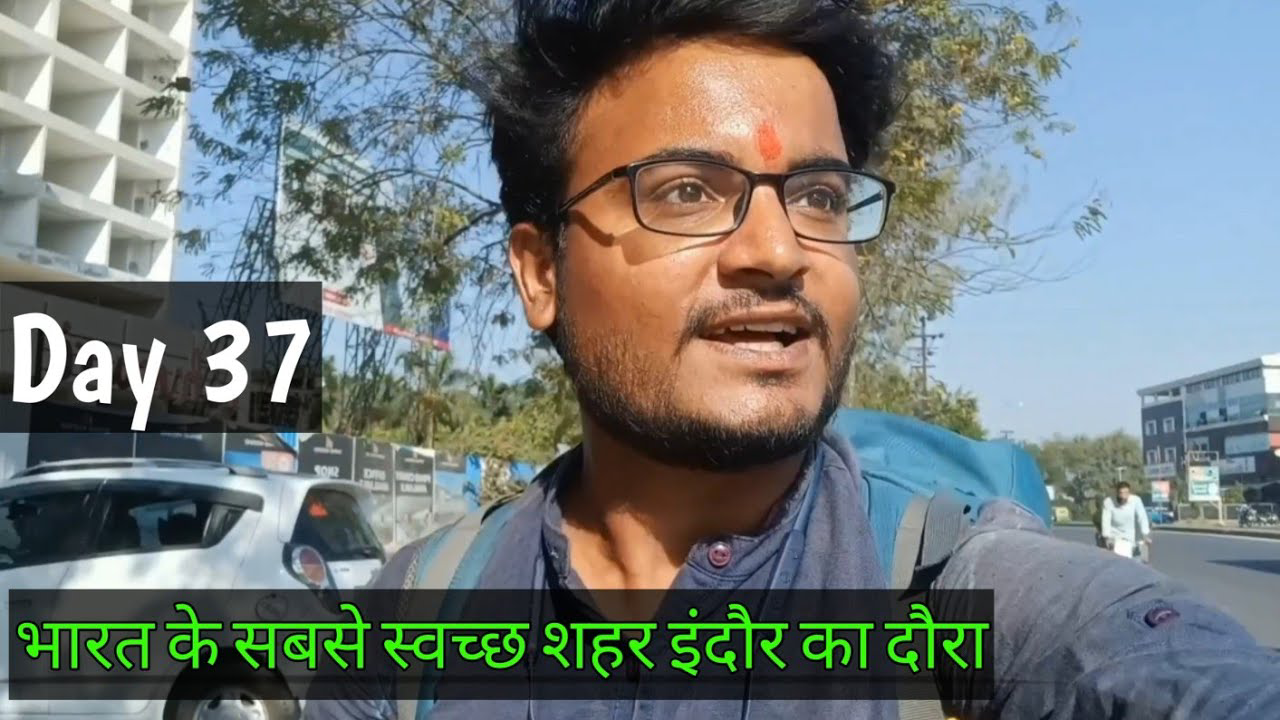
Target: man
687, 189
1123, 519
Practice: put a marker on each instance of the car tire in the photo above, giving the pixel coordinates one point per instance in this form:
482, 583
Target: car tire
231, 699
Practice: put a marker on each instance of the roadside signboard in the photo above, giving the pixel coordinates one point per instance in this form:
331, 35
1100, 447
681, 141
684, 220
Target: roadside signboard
1159, 492
1202, 483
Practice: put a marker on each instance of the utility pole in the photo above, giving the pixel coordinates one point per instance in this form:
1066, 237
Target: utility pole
1008, 434
925, 339
1120, 473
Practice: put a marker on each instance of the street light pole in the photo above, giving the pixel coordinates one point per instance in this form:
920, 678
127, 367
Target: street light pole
1120, 473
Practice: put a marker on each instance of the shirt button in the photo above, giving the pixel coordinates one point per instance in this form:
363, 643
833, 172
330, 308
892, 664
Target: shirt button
719, 554
1160, 616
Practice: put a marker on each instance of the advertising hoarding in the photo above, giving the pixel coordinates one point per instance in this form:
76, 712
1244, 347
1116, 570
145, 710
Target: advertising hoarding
326, 455
1202, 483
373, 470
267, 450
1159, 492
414, 488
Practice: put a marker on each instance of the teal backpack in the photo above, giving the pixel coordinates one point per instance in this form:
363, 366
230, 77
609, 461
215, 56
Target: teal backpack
923, 485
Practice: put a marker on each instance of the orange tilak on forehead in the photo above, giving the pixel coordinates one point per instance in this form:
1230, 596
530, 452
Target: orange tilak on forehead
767, 141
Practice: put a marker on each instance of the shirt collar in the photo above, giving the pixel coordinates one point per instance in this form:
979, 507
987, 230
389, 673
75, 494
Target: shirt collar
747, 553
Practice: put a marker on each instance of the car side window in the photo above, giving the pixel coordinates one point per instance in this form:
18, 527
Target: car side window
332, 522
42, 528
141, 521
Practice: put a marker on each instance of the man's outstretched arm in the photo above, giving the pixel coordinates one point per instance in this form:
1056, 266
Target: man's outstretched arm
1080, 633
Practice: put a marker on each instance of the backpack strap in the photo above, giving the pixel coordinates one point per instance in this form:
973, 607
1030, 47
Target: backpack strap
926, 535
452, 559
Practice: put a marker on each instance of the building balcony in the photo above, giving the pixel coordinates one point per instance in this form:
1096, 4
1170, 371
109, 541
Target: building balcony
173, 18
1216, 423
101, 15
70, 141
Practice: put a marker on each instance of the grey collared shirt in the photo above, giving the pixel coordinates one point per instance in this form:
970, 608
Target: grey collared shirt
1078, 632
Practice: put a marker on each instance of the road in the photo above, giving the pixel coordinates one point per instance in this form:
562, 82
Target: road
1239, 574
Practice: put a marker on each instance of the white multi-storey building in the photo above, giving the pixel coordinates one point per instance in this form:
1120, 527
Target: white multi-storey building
81, 164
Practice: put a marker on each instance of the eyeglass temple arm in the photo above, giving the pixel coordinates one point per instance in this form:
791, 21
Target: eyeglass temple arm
869, 201
599, 183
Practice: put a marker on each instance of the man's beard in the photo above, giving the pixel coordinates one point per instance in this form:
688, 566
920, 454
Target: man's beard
634, 400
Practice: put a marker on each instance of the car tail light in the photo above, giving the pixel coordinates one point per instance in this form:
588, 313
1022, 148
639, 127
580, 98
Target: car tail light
308, 565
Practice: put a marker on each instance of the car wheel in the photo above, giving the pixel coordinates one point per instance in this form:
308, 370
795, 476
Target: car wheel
236, 700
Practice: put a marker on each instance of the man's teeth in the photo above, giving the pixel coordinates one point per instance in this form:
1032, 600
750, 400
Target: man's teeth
756, 346
776, 327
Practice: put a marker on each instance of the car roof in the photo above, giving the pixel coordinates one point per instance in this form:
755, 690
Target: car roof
197, 472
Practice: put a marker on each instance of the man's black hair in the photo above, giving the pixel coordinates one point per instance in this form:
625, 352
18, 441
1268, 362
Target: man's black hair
1123, 485
562, 49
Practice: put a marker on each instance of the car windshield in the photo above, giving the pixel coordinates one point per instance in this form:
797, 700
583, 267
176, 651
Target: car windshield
332, 522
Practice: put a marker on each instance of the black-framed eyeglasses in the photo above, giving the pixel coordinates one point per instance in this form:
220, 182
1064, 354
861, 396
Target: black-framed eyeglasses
702, 198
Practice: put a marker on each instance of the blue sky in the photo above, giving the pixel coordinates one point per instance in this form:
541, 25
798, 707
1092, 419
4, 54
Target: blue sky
1174, 103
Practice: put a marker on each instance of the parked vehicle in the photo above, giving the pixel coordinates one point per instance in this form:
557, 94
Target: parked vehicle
86, 524
1259, 515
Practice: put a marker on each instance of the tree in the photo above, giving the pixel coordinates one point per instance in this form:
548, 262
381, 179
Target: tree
429, 394
1085, 466
886, 387
1233, 494
388, 81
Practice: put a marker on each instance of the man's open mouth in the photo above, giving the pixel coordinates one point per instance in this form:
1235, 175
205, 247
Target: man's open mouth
760, 337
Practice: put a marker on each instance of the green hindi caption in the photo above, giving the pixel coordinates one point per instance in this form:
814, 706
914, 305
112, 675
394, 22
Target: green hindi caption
502, 645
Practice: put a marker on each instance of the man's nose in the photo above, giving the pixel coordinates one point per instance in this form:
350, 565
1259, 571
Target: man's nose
765, 249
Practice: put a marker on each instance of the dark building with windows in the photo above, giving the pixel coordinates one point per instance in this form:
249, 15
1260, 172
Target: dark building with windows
1232, 412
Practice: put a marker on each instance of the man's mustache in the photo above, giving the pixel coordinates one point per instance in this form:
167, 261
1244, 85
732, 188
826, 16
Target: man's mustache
702, 318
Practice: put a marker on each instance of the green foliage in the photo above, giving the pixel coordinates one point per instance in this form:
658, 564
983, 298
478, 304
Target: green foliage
387, 81
886, 387
1085, 467
1233, 494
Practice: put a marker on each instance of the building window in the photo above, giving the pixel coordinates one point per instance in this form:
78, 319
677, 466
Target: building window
1153, 457
1246, 444
1199, 444
1151, 428
1171, 454
1170, 425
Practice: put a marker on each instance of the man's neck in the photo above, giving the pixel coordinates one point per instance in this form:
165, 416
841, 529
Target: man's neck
631, 521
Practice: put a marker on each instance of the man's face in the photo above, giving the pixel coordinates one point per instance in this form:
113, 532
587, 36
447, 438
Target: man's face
1122, 494
643, 315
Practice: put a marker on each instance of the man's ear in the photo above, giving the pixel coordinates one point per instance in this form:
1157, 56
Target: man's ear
532, 257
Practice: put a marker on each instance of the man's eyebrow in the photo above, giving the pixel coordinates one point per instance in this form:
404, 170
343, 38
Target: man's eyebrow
814, 160
690, 153
820, 159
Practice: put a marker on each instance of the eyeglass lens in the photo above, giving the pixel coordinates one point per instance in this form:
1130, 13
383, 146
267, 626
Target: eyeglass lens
693, 198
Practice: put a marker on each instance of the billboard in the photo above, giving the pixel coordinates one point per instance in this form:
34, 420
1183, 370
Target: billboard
1159, 492
326, 455
178, 444
1202, 483
1238, 465
373, 470
380, 307
267, 450
415, 485
63, 432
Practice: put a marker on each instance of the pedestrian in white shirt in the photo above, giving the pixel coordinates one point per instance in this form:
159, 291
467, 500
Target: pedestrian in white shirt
1124, 522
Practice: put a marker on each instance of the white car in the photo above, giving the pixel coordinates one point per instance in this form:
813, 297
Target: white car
180, 525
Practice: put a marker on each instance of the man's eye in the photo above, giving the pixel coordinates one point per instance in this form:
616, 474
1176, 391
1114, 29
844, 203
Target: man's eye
686, 193
820, 199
